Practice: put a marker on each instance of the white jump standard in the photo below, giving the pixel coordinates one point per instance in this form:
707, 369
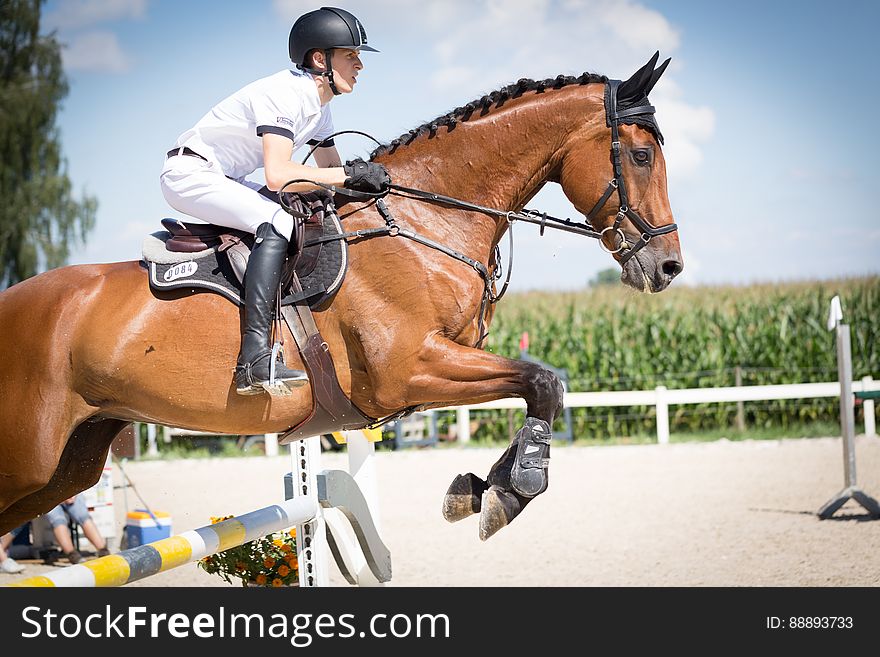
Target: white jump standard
364, 561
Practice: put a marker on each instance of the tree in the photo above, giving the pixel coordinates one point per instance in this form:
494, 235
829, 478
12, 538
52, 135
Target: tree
39, 218
608, 276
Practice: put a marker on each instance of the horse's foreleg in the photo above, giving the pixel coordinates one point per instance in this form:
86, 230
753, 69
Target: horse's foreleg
521, 474
450, 373
79, 467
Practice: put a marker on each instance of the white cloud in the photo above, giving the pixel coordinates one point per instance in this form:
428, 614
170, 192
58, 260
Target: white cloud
614, 37
843, 231
95, 51
75, 14
455, 76
508, 40
684, 128
468, 48
634, 25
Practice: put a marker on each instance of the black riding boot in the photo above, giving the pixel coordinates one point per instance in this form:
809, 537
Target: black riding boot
260, 287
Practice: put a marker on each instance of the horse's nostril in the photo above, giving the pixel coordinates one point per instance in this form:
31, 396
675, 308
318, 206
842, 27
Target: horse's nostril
672, 267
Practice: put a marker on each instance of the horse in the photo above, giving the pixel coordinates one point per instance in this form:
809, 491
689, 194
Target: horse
405, 330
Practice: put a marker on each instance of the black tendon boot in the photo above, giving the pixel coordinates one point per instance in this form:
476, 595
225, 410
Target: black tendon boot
261, 280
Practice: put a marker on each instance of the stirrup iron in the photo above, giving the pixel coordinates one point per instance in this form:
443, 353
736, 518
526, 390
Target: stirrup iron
273, 387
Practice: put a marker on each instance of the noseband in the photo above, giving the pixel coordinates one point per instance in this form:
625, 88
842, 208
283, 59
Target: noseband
627, 251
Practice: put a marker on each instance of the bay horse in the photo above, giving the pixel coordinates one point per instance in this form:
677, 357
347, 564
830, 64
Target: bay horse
87, 349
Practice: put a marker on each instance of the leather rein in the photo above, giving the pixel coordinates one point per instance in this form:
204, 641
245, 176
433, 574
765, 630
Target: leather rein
541, 219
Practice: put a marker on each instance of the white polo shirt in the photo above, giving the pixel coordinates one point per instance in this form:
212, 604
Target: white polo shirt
286, 103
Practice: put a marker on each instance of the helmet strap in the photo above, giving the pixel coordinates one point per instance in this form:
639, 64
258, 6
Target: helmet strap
323, 74
327, 56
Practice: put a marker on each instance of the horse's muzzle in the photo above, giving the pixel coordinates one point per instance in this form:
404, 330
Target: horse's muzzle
667, 269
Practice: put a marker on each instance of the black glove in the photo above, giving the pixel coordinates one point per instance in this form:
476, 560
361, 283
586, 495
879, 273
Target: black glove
366, 176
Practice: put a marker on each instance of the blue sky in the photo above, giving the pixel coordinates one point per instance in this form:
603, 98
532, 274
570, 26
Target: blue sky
770, 155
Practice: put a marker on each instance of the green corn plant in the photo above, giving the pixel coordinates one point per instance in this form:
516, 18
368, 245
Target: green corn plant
613, 339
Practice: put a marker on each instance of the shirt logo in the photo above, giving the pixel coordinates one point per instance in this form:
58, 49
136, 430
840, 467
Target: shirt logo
284, 119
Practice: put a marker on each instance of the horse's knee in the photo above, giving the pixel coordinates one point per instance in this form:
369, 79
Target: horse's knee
545, 393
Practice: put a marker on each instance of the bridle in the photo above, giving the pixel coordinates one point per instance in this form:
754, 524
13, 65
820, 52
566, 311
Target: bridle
647, 231
614, 117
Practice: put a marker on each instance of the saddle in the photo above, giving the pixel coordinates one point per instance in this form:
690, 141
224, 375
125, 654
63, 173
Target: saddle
205, 256
214, 258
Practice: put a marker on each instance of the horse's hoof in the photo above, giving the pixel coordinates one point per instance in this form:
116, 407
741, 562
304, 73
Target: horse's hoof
463, 497
500, 507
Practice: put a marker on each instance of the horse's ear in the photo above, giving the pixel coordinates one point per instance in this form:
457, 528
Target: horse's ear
656, 76
633, 89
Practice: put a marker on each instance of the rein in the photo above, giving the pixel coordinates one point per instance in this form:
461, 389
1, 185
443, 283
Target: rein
393, 229
541, 219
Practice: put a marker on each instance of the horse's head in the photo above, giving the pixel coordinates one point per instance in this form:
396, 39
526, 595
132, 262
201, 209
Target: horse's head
624, 195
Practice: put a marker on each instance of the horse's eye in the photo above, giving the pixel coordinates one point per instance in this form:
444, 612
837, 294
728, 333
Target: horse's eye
641, 157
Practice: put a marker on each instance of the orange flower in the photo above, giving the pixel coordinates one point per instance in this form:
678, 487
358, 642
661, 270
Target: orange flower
286, 548
278, 542
240, 566
283, 570
292, 532
269, 562
290, 558
261, 579
277, 582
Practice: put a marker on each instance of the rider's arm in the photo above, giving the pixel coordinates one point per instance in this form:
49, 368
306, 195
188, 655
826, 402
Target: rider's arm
327, 157
278, 167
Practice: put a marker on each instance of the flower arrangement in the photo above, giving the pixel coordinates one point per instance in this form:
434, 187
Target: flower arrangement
266, 561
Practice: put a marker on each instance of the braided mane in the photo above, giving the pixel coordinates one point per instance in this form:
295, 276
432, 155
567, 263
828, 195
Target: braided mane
484, 104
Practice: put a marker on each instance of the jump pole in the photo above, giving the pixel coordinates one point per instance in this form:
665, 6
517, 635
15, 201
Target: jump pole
847, 422
146, 560
316, 501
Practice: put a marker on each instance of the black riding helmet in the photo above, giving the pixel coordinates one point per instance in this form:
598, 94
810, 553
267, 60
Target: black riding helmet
324, 29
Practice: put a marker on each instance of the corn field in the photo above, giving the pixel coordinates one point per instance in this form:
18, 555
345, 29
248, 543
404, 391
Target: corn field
610, 338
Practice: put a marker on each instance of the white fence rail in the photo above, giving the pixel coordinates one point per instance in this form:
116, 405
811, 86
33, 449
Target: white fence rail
662, 398
270, 440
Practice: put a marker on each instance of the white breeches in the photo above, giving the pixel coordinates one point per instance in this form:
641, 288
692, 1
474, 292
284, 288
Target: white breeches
198, 188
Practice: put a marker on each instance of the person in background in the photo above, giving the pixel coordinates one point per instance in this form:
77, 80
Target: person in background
75, 509
8, 565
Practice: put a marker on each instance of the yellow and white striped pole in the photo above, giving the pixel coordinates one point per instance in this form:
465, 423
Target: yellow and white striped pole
146, 560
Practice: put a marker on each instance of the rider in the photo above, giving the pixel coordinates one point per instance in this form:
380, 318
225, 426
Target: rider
262, 124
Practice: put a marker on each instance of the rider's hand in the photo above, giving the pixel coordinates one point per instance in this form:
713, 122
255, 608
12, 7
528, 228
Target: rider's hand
366, 176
